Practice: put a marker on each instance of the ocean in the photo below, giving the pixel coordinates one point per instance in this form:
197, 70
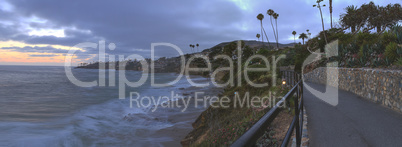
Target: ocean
39, 106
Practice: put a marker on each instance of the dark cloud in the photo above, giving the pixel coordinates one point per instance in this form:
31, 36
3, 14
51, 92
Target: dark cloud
134, 25
36, 49
34, 55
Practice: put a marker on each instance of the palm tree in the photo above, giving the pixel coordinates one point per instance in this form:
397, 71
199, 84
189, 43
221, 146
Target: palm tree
303, 36
330, 11
271, 12
197, 46
258, 36
191, 46
261, 17
294, 36
276, 15
348, 20
322, 19
266, 36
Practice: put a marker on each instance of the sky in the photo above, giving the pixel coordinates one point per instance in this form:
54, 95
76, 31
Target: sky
41, 32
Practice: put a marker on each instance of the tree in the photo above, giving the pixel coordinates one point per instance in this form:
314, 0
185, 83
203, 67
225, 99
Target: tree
258, 37
330, 11
348, 20
308, 33
303, 36
369, 16
261, 17
365, 13
391, 15
271, 12
322, 19
191, 48
276, 15
197, 46
294, 36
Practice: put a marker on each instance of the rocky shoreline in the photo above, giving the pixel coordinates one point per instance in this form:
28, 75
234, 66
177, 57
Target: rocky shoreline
182, 122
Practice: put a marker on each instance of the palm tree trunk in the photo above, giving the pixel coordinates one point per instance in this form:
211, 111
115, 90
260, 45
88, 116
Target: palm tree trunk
294, 38
303, 40
262, 37
269, 45
273, 29
331, 20
322, 21
277, 36
330, 11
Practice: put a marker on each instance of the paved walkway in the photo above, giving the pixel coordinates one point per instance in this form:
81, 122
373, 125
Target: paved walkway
355, 121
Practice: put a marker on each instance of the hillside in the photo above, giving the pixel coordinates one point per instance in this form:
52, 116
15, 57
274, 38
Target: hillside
252, 44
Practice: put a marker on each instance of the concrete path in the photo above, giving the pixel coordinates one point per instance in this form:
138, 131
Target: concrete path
354, 122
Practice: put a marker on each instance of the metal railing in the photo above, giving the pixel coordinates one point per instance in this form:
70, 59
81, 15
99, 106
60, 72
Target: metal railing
257, 130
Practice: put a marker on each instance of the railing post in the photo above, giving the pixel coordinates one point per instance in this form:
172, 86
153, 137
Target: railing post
297, 113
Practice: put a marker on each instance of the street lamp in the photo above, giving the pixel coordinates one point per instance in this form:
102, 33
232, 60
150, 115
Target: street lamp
283, 83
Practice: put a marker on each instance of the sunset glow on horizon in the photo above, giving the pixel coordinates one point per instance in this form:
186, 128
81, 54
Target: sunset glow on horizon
11, 56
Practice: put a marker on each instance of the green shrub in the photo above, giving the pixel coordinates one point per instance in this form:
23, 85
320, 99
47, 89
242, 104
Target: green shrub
398, 62
397, 30
388, 37
353, 47
366, 37
363, 49
264, 52
344, 38
391, 51
399, 50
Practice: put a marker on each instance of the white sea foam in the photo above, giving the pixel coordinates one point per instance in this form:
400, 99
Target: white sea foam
79, 121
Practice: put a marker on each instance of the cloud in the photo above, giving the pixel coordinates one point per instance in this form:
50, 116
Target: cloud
36, 49
134, 25
35, 55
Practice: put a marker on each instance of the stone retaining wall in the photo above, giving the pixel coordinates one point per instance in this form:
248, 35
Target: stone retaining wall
378, 85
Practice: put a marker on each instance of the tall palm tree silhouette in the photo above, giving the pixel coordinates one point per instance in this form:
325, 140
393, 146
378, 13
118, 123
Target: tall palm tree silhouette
322, 19
294, 36
261, 17
197, 46
191, 47
330, 10
276, 15
270, 12
303, 36
258, 36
